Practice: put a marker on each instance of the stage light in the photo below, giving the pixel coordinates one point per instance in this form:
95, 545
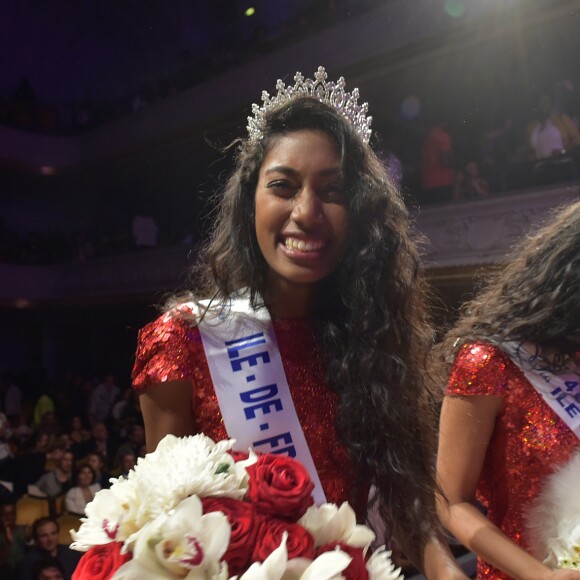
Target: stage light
250, 11
47, 170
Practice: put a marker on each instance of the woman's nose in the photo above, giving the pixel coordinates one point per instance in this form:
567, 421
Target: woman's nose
308, 208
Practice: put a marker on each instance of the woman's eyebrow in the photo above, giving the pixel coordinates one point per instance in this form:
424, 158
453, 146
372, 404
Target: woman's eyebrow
284, 169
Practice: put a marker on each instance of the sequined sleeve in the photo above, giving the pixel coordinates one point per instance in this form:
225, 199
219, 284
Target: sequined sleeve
479, 369
165, 351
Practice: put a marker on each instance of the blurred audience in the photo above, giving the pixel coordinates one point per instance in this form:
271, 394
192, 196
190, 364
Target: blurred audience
437, 165
45, 533
84, 490
469, 183
58, 480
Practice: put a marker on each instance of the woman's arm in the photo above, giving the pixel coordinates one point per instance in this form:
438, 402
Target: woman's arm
466, 426
167, 408
439, 563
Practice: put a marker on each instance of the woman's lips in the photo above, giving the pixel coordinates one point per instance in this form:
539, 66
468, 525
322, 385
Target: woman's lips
305, 248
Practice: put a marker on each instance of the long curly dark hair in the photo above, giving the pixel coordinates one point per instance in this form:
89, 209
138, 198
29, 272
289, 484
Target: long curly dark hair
372, 313
535, 298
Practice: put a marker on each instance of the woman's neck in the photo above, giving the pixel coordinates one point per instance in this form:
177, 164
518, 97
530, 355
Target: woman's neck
286, 300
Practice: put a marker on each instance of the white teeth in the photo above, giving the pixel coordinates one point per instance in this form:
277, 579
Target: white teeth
303, 245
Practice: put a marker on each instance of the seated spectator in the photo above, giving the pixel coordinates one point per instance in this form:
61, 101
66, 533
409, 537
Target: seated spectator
13, 538
78, 433
134, 444
45, 535
127, 461
469, 184
57, 481
437, 172
21, 431
77, 497
553, 133
28, 466
96, 461
5, 433
44, 404
99, 442
47, 569
12, 396
102, 399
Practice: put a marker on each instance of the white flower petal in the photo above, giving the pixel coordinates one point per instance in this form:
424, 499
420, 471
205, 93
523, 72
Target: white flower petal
329, 523
327, 566
380, 566
360, 537
273, 566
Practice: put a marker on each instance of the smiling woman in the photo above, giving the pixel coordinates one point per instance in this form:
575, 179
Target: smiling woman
312, 245
301, 216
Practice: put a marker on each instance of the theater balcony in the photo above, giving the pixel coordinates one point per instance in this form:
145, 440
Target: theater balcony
462, 238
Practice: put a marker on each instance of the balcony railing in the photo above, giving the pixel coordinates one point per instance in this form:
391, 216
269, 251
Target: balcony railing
470, 233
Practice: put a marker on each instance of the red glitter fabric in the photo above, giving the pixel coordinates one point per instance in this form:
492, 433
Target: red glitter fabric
529, 441
170, 349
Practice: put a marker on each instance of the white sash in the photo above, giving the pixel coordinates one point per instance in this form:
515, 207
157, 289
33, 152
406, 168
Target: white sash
561, 392
250, 384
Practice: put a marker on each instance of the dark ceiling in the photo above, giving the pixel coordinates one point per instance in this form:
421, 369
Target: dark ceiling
108, 49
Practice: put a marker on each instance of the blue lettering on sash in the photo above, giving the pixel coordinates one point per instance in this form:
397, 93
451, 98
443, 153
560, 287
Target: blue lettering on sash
242, 343
266, 408
274, 443
251, 359
572, 410
571, 385
259, 394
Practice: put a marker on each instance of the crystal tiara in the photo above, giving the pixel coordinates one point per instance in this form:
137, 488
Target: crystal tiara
331, 93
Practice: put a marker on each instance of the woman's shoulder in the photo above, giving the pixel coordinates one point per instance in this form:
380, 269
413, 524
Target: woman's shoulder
166, 347
479, 369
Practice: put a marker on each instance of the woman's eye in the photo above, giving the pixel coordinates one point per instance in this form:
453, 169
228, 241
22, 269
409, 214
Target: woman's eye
282, 188
334, 193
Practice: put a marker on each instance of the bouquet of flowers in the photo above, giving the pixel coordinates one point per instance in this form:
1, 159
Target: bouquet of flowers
194, 509
554, 519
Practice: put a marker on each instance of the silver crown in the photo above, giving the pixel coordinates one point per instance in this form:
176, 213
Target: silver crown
329, 92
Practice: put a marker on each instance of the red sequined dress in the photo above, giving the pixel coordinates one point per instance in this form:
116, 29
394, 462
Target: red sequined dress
528, 443
170, 349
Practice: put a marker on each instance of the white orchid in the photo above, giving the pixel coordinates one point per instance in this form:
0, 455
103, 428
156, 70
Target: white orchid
276, 566
327, 566
329, 524
110, 516
183, 543
381, 567
272, 567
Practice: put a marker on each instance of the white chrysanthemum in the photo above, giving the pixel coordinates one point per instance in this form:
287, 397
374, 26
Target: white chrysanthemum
381, 567
185, 466
181, 544
180, 467
329, 523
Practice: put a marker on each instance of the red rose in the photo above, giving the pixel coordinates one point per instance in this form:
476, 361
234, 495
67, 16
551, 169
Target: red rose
280, 486
357, 569
244, 527
300, 543
239, 455
100, 562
